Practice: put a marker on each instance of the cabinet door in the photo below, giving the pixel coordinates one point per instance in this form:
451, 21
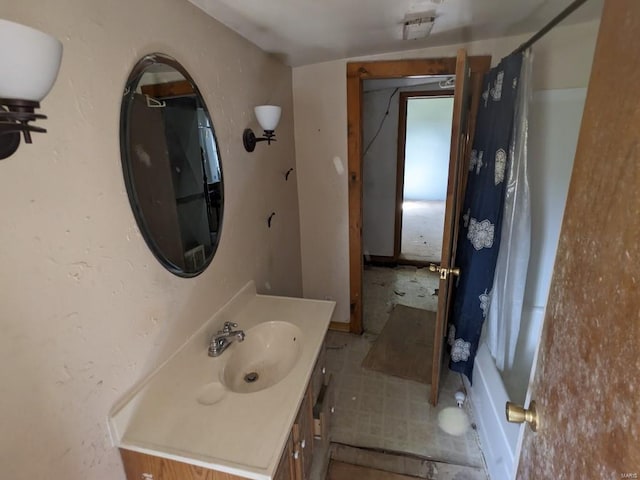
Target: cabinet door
319, 373
303, 438
285, 469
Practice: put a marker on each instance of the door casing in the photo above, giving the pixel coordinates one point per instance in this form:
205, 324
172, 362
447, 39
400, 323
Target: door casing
357, 72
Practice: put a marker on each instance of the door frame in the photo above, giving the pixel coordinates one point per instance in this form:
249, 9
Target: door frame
402, 144
357, 72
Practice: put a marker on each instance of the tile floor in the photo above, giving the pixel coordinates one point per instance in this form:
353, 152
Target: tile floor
384, 287
380, 411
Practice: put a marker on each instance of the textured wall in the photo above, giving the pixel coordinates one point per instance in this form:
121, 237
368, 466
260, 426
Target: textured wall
562, 60
86, 310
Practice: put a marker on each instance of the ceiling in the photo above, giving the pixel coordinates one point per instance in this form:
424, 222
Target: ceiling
302, 32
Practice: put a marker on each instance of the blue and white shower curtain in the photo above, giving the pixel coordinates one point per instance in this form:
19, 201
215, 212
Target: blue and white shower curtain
480, 225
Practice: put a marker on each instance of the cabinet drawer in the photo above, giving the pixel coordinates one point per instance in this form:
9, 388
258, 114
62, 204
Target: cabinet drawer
139, 466
323, 409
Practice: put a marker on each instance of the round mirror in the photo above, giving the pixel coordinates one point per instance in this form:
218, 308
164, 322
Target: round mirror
171, 165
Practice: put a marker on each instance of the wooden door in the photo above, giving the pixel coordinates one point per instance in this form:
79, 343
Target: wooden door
586, 383
459, 138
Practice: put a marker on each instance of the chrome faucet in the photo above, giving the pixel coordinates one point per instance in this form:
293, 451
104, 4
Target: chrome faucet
225, 337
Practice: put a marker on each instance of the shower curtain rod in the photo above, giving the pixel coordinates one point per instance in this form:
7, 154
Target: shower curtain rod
561, 16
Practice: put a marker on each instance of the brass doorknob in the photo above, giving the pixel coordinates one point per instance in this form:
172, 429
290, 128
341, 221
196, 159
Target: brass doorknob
517, 414
443, 271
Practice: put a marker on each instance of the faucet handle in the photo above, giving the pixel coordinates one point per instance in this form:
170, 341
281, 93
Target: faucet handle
228, 327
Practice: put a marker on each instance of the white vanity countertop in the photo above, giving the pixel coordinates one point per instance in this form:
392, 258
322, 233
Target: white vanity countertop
183, 412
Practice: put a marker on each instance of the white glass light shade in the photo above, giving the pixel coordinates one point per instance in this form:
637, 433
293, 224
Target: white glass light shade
30, 62
268, 116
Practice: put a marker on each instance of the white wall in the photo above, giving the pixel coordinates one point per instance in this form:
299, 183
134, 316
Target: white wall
380, 166
86, 310
563, 60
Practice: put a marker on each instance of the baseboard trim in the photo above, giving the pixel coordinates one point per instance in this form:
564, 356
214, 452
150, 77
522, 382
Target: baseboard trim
340, 327
380, 260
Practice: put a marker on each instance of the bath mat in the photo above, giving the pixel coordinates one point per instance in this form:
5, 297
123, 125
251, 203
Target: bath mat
404, 348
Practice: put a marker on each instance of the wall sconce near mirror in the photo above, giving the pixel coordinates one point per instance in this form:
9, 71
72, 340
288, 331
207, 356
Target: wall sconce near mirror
30, 62
268, 117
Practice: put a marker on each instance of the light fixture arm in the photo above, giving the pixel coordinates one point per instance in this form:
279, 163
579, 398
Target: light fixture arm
249, 138
15, 116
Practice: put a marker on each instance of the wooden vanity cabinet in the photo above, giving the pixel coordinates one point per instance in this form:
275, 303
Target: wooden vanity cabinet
295, 462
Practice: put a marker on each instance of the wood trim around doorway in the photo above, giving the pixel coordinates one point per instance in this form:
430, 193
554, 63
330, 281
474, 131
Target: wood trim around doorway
356, 73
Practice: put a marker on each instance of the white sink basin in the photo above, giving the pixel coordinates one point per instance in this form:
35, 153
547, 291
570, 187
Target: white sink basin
265, 357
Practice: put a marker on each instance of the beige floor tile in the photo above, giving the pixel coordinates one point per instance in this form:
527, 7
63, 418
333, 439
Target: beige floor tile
389, 413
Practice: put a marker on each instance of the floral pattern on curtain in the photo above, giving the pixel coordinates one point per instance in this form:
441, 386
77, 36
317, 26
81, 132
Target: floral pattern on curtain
480, 225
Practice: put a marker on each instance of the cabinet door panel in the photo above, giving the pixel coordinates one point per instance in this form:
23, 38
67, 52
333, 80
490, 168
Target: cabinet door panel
285, 469
319, 374
303, 438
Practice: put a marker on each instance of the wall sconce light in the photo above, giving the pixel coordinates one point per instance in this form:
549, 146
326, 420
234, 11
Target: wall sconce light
30, 62
268, 117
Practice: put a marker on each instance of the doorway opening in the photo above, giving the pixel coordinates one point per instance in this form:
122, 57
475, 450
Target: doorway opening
424, 146
407, 134
374, 407
357, 75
